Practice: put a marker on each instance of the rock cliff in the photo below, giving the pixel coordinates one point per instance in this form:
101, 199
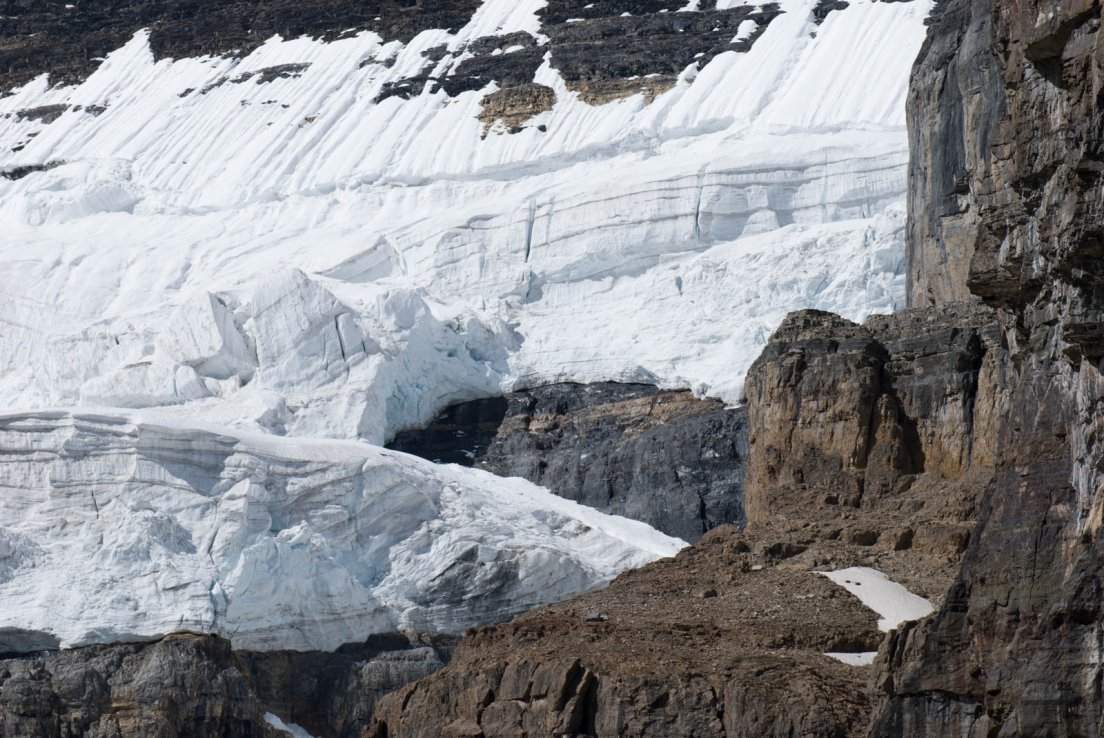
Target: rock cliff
191, 685
1013, 652
666, 458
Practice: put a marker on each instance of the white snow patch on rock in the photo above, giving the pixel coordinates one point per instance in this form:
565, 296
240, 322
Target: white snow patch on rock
290, 728
863, 658
893, 603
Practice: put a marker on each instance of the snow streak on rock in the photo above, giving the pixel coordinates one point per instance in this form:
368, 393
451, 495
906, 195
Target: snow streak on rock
893, 602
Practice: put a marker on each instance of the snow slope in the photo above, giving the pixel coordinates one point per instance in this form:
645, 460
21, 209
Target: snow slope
293, 257
121, 527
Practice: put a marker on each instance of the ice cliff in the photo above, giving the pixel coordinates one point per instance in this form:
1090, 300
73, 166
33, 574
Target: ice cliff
338, 237
129, 527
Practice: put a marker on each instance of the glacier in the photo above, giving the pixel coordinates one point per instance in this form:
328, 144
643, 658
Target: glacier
293, 257
127, 527
223, 287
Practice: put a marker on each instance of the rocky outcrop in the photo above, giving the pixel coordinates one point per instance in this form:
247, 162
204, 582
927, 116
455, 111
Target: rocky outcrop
879, 435
1013, 652
515, 105
719, 641
664, 457
653, 48
191, 685
870, 446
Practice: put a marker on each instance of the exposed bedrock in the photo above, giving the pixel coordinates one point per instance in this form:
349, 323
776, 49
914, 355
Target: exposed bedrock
191, 685
1015, 649
653, 46
664, 457
857, 460
69, 40
890, 423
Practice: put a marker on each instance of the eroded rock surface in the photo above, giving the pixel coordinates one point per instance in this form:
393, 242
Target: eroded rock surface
857, 460
191, 685
879, 435
663, 457
1013, 652
718, 641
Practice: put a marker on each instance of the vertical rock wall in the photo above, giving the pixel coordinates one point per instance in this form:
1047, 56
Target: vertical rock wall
1016, 647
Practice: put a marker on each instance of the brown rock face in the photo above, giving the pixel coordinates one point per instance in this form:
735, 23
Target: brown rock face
1013, 651
516, 105
871, 445
719, 641
879, 435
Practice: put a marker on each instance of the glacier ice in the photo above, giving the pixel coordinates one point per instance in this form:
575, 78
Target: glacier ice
120, 527
296, 258
214, 297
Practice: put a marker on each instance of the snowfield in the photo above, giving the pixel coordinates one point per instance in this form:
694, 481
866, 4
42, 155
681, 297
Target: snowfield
295, 258
128, 527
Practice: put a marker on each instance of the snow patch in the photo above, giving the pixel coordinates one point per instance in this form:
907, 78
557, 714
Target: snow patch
864, 658
892, 601
290, 728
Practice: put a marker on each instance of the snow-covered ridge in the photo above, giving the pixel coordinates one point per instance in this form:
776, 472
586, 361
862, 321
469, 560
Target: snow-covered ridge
286, 254
121, 527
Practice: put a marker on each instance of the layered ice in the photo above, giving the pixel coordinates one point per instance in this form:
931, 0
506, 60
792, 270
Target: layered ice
292, 257
121, 527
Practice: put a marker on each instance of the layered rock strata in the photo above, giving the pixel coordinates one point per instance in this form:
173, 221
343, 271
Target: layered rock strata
1014, 650
663, 457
